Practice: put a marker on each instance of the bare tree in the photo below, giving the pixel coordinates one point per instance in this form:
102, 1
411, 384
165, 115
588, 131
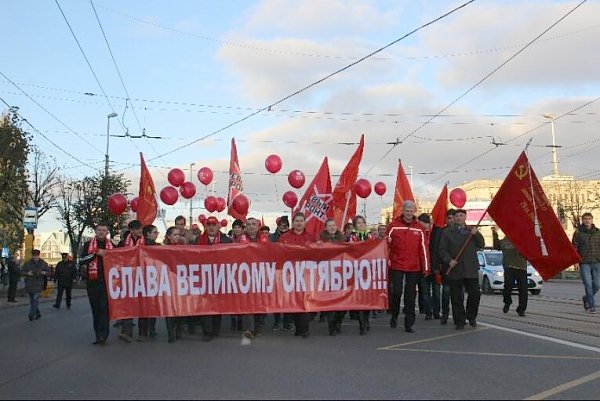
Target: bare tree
43, 181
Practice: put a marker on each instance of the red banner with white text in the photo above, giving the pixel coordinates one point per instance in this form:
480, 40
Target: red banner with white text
155, 281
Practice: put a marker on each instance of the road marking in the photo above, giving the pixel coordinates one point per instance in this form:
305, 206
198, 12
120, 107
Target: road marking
462, 333
565, 386
592, 358
542, 337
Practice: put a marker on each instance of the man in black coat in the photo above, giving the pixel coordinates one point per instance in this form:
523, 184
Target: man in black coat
66, 273
92, 256
463, 271
14, 275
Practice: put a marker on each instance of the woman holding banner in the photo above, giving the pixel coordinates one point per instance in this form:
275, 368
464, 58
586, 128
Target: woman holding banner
361, 233
299, 235
332, 234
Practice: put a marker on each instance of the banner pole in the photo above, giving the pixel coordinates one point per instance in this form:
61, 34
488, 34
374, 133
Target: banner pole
468, 240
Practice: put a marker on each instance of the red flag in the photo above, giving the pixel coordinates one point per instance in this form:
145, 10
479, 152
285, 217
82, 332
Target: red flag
344, 197
316, 203
236, 187
147, 206
438, 213
402, 191
530, 222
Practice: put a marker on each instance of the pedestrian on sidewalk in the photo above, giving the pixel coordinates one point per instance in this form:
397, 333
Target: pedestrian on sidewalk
515, 269
66, 273
587, 242
34, 270
14, 275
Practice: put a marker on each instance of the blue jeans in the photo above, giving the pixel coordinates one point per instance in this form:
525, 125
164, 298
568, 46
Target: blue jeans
590, 275
34, 305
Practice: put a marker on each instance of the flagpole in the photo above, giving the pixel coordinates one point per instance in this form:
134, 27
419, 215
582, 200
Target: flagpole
468, 240
348, 196
536, 223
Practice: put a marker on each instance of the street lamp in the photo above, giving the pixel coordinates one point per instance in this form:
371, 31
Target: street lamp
191, 199
108, 117
554, 147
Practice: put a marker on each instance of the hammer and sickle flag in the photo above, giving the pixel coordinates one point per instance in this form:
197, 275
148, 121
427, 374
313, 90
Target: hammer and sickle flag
523, 212
147, 206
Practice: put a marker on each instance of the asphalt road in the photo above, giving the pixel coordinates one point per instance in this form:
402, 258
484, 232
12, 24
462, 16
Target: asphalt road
552, 353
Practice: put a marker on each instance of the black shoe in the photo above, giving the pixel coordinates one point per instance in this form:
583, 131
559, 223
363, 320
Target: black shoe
428, 317
68, 307
444, 321
56, 306
436, 316
287, 326
506, 308
394, 322
521, 313
460, 327
31, 318
409, 330
362, 329
100, 341
118, 323
38, 317
473, 323
306, 334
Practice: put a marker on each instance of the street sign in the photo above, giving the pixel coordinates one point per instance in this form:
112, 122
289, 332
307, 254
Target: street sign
30, 218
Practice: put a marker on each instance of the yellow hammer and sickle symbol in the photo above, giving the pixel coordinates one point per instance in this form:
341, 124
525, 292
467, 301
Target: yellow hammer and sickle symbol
149, 189
521, 171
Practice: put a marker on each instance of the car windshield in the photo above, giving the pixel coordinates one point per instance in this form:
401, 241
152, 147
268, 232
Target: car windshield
493, 259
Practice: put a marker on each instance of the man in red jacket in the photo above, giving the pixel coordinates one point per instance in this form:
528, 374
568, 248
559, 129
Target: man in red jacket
409, 257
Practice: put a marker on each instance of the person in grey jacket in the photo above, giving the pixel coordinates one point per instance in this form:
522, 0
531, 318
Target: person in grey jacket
587, 242
463, 269
34, 271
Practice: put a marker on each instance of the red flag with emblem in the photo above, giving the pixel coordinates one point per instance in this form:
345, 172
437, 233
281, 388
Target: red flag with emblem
402, 192
344, 197
236, 187
523, 212
440, 209
147, 206
316, 203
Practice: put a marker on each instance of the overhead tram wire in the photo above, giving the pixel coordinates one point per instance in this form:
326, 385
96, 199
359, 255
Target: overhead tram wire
586, 104
266, 108
112, 56
326, 56
48, 139
48, 112
399, 141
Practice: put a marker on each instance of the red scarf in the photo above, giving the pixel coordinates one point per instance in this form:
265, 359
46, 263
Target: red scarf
204, 240
92, 271
131, 243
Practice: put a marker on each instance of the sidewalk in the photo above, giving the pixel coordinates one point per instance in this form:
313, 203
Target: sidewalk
23, 299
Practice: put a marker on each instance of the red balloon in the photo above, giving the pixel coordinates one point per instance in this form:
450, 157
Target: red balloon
134, 204
241, 204
210, 203
224, 223
117, 203
458, 197
273, 164
202, 219
380, 188
187, 190
221, 204
176, 177
296, 179
290, 199
169, 195
205, 175
362, 188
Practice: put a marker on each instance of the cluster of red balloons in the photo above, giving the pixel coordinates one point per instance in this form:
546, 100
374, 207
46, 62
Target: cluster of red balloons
362, 187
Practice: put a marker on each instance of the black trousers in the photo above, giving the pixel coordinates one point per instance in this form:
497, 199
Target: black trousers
457, 289
146, 326
12, 290
211, 325
520, 276
99, 304
61, 289
302, 321
404, 282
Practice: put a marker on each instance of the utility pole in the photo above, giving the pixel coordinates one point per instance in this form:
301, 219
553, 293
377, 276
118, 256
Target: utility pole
192, 198
554, 147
